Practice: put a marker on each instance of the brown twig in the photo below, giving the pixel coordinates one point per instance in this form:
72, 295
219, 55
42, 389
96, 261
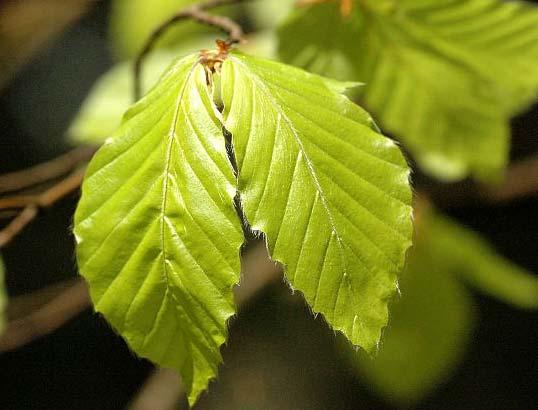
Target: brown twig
46, 318
161, 391
520, 181
27, 27
198, 13
8, 213
46, 171
18, 224
48, 198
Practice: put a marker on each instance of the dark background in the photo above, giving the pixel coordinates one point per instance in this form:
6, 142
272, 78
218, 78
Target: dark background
278, 356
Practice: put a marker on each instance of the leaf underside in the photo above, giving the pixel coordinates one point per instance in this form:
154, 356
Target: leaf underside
159, 238
445, 76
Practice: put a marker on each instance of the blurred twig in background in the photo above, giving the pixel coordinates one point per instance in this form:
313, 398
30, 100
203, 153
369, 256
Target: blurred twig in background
46, 171
161, 391
520, 181
26, 25
27, 205
42, 312
196, 12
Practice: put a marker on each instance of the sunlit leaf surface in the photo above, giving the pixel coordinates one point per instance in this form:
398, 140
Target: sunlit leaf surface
330, 193
159, 238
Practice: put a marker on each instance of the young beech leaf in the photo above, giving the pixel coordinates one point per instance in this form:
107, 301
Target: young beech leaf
445, 76
331, 194
158, 236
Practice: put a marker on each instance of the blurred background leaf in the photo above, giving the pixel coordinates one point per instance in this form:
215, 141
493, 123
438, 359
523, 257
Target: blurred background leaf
113, 93
462, 252
431, 324
429, 329
267, 14
444, 77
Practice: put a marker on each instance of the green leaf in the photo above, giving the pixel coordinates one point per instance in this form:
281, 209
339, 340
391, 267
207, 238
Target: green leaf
428, 332
3, 298
158, 236
466, 254
157, 230
445, 76
331, 194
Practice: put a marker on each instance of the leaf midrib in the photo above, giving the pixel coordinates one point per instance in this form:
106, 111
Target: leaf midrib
308, 162
172, 138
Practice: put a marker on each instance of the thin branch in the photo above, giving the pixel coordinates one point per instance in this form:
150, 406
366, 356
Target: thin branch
45, 318
46, 171
45, 200
196, 12
161, 391
18, 224
521, 180
19, 201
